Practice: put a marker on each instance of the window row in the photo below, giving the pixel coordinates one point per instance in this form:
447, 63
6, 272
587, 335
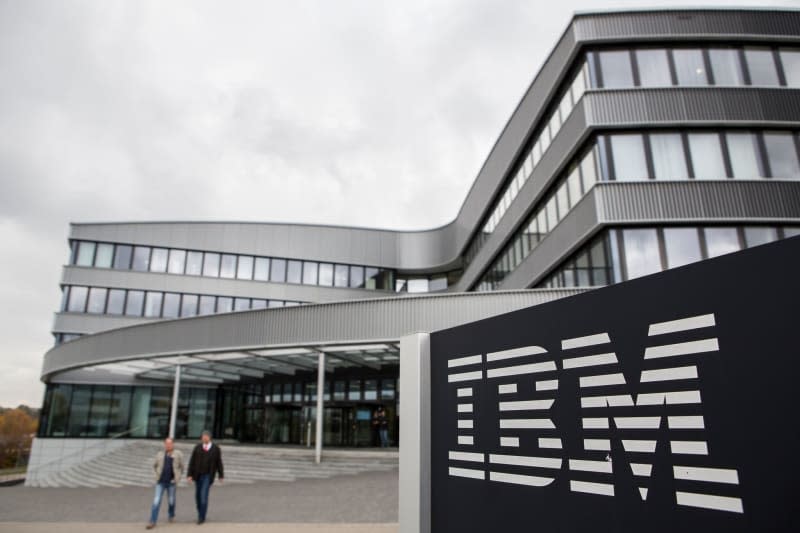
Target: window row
623, 254
230, 266
336, 389
642, 156
129, 411
727, 66
156, 304
539, 146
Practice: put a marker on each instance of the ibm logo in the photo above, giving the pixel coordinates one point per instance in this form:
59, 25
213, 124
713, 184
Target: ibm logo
527, 390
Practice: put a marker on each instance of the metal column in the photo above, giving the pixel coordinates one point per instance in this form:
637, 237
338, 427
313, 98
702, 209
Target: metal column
320, 405
173, 415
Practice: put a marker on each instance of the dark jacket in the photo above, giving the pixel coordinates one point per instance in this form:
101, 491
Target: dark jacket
206, 462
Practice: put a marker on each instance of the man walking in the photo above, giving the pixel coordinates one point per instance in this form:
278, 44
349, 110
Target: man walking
204, 465
168, 469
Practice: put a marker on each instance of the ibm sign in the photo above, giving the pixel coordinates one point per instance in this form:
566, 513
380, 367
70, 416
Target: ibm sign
663, 403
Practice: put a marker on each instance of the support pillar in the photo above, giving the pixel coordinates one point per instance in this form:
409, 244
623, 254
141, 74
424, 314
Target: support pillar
173, 415
320, 405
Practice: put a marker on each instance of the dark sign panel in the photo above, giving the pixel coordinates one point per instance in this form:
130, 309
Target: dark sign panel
667, 403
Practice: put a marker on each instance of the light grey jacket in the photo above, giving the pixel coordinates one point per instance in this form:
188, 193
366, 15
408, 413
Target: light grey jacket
177, 465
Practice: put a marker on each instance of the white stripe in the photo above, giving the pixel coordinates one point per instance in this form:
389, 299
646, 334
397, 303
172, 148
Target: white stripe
465, 408
463, 393
466, 439
532, 368
670, 398
533, 481
521, 460
516, 352
617, 400
466, 472
588, 340
602, 380
526, 423
549, 384
683, 324
465, 456
604, 489
512, 442
639, 446
669, 374
507, 389
465, 376
590, 360
465, 424
713, 475
643, 492
549, 443
641, 469
689, 447
603, 445
527, 405
595, 423
604, 467
637, 422
686, 422
707, 501
682, 348
464, 361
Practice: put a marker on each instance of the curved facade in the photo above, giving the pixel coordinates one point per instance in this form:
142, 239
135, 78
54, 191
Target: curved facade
647, 140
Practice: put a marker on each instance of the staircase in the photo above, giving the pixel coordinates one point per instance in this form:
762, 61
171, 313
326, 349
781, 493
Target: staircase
131, 465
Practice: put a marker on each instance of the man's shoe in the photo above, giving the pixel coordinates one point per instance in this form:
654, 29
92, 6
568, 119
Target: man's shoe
171, 519
200, 521
150, 526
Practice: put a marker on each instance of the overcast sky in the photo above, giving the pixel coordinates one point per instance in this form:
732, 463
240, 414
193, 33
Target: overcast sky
376, 113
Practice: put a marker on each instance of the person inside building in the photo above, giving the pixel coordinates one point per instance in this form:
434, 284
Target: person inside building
204, 465
381, 422
168, 469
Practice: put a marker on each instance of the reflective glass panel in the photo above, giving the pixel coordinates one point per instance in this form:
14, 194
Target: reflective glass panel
743, 152
790, 59
782, 155
211, 264
669, 162
134, 303
244, 270
761, 65
642, 256
278, 271
158, 260
341, 275
77, 299
616, 69
194, 263
417, 285
224, 304
227, 267
241, 304
122, 256
85, 253
258, 304
309, 273
177, 261
653, 68
630, 163
354, 390
152, 304
172, 302
721, 241
207, 305
707, 158
726, 67
116, 302
757, 235
141, 258
689, 67
104, 257
357, 277
294, 271
326, 274
189, 305
370, 389
261, 269
97, 300
682, 245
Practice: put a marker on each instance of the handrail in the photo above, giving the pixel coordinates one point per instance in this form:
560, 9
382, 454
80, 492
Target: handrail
103, 442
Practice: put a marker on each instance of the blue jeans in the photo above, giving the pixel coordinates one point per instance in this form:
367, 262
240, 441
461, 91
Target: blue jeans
157, 501
201, 486
384, 435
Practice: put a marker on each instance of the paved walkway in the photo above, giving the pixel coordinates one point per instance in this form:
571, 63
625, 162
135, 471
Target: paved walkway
359, 503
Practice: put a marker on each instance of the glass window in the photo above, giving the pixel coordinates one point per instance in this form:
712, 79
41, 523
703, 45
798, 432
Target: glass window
97, 300
116, 302
245, 268
120, 410
388, 389
85, 254
616, 69
761, 65
578, 85
437, 284
354, 390
79, 410
790, 231
726, 67
158, 260
194, 263
258, 304
134, 303
104, 257
241, 304
152, 304
562, 200
757, 235
653, 68
211, 264
141, 258
565, 108
122, 256
326, 274
189, 305
227, 267
782, 155
341, 275
669, 162
588, 171
357, 277
177, 261
207, 305
98, 414
274, 303
77, 299
707, 160
278, 271
294, 271
370, 389
417, 285
743, 152
689, 67
224, 304
630, 163
172, 303
790, 59
641, 252
261, 269
552, 213
721, 241
309, 273
682, 245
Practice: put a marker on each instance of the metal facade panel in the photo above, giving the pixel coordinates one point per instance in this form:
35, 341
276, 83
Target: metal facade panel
343, 322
